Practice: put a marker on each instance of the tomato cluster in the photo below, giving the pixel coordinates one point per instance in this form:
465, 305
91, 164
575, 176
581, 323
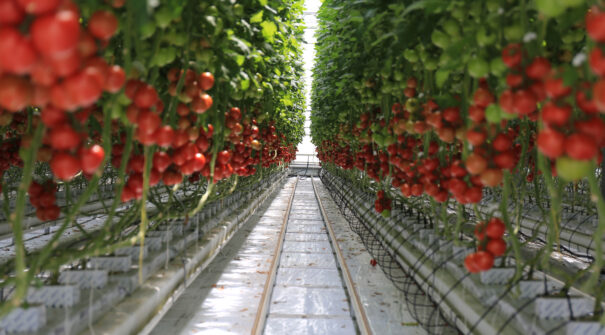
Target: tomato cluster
491, 244
43, 198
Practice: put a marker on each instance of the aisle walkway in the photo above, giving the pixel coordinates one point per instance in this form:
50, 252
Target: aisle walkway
225, 298
309, 295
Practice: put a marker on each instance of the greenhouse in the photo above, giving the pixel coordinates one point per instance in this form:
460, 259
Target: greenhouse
312, 167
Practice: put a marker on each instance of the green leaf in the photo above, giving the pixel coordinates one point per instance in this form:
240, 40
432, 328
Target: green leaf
269, 30
263, 2
256, 18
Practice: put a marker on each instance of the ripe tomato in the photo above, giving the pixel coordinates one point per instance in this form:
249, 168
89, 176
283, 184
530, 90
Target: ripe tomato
91, 158
496, 247
476, 138
148, 122
64, 137
484, 260
581, 147
598, 95
53, 117
206, 81
524, 102
491, 177
115, 79
511, 55
38, 7
146, 96
161, 161
595, 24
10, 13
64, 166
495, 228
56, 32
550, 143
17, 54
470, 262
224, 157
475, 164
102, 24
556, 115
164, 136
15, 93
538, 69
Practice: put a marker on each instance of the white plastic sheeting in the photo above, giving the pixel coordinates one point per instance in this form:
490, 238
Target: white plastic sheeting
309, 294
383, 303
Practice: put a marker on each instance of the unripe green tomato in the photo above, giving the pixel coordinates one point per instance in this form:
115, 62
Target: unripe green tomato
578, 35
430, 64
550, 8
573, 3
444, 59
178, 39
452, 28
492, 5
478, 68
513, 33
441, 76
386, 213
459, 13
440, 39
205, 55
147, 29
212, 11
475, 8
497, 66
485, 37
410, 55
493, 113
163, 17
567, 38
424, 55
398, 75
572, 170
238, 10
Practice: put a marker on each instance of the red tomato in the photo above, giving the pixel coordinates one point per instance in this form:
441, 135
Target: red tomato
470, 262
550, 143
496, 247
91, 158
17, 54
556, 115
491, 177
475, 164
146, 96
148, 121
511, 55
15, 93
161, 161
64, 166
103, 24
64, 137
484, 260
53, 117
10, 12
538, 69
495, 228
595, 24
56, 32
115, 79
38, 7
164, 136
206, 81
224, 157
581, 147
